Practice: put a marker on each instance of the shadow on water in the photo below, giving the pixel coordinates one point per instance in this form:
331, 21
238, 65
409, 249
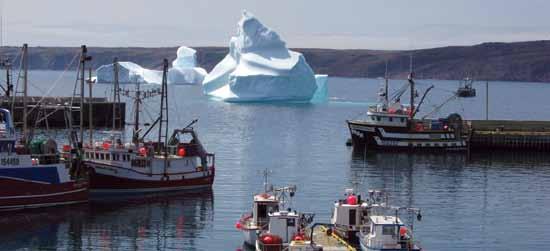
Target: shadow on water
155, 222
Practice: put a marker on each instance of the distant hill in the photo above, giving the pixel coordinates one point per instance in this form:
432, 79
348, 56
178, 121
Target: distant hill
520, 61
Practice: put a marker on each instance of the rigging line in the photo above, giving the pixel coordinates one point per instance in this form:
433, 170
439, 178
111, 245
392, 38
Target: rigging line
55, 83
440, 106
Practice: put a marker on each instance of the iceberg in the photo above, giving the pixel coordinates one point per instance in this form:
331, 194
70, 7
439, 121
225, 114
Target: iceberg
184, 68
321, 94
128, 73
259, 67
183, 71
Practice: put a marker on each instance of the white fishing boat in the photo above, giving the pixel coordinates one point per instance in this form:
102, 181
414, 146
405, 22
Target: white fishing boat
370, 223
352, 213
286, 228
390, 125
387, 233
178, 162
251, 224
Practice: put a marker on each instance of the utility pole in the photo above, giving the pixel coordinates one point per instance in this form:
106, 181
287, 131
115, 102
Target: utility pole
487, 100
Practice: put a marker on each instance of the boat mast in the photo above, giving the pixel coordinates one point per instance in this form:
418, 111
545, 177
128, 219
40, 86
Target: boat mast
9, 87
137, 102
116, 91
163, 117
411, 82
90, 108
83, 58
25, 93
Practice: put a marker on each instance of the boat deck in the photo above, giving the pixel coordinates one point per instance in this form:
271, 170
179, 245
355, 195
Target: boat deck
330, 242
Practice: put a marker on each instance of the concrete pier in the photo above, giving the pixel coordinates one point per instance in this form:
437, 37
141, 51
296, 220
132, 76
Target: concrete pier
102, 110
507, 134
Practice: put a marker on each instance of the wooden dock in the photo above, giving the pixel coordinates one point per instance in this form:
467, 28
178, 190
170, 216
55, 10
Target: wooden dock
508, 134
54, 107
330, 241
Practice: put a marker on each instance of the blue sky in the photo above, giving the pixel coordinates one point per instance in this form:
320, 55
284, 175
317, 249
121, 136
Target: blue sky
372, 24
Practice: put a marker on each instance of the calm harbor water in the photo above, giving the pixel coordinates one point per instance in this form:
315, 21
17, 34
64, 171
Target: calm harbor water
491, 201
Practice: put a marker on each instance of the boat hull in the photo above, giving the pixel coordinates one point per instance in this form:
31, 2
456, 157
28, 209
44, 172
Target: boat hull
364, 247
104, 179
250, 236
16, 194
402, 139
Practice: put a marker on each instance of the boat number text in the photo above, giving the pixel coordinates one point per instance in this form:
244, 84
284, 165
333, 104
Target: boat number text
9, 161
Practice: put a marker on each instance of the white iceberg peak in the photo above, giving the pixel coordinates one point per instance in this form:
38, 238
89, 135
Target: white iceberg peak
259, 67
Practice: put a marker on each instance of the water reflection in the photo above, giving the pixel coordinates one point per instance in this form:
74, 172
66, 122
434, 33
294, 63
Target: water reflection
484, 198
155, 222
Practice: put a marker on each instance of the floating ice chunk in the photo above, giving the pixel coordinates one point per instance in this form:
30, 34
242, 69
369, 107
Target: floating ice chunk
259, 67
128, 73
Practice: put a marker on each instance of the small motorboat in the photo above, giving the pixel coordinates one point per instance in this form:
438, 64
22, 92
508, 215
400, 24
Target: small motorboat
351, 214
251, 224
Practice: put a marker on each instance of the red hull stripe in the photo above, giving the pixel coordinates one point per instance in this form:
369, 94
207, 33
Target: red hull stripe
107, 183
104, 165
15, 194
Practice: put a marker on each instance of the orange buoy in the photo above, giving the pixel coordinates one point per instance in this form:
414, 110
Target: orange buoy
142, 151
402, 231
66, 148
351, 200
238, 225
181, 152
106, 145
298, 237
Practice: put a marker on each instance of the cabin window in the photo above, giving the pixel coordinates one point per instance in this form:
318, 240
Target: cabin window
127, 157
391, 119
87, 155
124, 157
453, 144
419, 144
402, 120
96, 155
388, 230
102, 156
352, 217
291, 222
378, 118
436, 144
262, 211
108, 156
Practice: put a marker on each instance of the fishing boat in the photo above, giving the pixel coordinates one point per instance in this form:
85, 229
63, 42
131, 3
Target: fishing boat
350, 214
37, 176
466, 89
388, 233
251, 224
178, 162
286, 228
390, 125
370, 223
33, 172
